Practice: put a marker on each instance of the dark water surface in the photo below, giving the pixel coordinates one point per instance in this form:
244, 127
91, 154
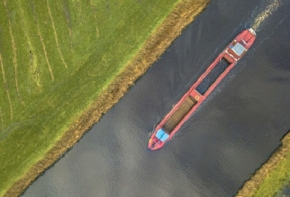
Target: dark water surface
234, 131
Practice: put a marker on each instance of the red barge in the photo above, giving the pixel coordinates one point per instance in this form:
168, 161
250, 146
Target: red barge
200, 90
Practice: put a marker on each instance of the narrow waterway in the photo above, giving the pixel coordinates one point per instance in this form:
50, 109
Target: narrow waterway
234, 131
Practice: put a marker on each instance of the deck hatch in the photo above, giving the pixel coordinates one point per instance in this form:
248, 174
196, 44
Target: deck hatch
212, 76
179, 114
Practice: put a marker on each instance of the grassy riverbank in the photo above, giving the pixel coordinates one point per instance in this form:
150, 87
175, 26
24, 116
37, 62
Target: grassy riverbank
61, 59
56, 58
272, 176
277, 179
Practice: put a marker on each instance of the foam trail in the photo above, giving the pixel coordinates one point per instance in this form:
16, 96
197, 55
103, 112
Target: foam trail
272, 7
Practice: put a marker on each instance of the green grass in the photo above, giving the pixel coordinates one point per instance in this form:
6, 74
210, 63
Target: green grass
56, 58
277, 179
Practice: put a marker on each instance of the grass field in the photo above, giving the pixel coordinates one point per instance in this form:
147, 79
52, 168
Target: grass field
56, 57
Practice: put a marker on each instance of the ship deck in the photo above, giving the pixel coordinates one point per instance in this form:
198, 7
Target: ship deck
178, 115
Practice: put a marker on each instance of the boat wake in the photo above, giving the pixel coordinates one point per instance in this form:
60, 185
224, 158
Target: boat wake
268, 11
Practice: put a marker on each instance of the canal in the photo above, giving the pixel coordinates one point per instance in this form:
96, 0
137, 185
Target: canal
231, 135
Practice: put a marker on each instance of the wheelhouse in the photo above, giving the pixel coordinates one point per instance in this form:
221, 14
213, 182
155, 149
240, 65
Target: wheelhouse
161, 135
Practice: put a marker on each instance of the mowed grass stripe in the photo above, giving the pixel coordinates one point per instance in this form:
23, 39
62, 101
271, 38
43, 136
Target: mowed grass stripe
83, 26
14, 48
55, 34
5, 86
68, 20
96, 19
2, 121
36, 58
7, 69
42, 41
29, 84
63, 31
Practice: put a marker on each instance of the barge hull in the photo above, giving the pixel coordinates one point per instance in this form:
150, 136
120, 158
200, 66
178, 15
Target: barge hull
200, 90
